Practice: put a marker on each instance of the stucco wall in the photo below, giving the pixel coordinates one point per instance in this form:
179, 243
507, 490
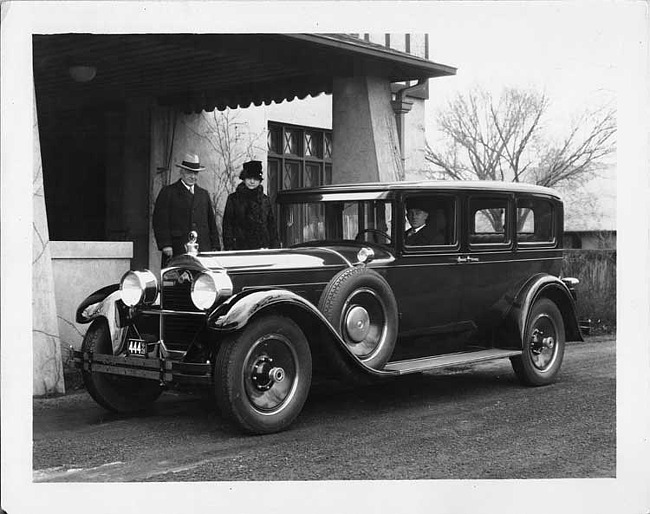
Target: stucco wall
366, 145
47, 366
79, 269
415, 140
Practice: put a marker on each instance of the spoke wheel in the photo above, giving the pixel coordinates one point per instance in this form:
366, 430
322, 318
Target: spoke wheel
263, 374
113, 392
543, 346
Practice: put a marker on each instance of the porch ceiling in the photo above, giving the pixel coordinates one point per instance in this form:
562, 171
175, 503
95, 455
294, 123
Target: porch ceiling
206, 71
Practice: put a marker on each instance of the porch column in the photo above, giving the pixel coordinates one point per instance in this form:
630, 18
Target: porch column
48, 368
366, 144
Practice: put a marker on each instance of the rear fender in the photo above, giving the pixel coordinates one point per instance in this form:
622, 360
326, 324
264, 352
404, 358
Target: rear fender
103, 304
551, 287
237, 311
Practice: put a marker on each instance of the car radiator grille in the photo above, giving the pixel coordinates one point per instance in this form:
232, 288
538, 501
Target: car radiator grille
179, 330
177, 298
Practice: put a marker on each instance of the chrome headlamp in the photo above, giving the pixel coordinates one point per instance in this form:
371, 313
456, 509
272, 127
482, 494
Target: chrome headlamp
208, 287
365, 255
138, 287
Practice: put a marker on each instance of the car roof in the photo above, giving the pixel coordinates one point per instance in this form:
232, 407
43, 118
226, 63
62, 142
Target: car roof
425, 185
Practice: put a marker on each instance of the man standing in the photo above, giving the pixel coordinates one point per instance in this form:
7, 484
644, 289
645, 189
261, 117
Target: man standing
182, 207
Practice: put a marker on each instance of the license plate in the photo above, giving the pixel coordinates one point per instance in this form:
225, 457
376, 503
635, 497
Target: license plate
137, 347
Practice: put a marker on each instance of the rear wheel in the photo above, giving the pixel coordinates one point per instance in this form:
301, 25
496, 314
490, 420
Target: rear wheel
543, 345
113, 392
263, 374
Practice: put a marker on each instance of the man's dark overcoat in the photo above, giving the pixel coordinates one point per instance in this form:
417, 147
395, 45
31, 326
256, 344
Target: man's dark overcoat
177, 212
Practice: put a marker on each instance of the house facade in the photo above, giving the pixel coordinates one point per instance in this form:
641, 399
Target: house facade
115, 113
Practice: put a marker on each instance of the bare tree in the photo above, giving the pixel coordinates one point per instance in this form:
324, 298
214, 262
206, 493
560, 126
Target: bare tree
233, 143
505, 139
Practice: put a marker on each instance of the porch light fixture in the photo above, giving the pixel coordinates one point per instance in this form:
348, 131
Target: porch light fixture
82, 73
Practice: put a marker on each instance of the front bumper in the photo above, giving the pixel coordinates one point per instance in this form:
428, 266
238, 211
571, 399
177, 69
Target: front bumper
166, 371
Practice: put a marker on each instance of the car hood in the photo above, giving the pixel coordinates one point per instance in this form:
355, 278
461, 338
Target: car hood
304, 257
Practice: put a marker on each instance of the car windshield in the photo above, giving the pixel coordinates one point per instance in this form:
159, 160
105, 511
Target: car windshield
363, 221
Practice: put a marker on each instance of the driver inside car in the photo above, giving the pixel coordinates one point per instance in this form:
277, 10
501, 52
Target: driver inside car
425, 229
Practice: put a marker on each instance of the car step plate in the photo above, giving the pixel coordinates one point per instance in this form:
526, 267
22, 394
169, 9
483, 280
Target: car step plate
450, 359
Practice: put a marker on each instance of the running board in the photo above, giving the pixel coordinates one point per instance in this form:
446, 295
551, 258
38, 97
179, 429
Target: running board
450, 359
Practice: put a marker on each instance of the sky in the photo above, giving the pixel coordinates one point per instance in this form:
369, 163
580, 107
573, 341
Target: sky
570, 52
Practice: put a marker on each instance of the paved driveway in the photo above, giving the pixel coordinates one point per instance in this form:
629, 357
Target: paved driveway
473, 422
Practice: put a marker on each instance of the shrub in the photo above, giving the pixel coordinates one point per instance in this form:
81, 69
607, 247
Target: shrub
596, 270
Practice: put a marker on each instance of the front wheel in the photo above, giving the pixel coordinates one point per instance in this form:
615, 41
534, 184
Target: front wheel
263, 374
543, 345
113, 392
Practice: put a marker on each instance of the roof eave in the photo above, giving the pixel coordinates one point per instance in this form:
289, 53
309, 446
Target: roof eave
429, 68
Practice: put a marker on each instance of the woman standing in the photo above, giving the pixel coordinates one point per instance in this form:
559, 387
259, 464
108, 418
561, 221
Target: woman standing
248, 220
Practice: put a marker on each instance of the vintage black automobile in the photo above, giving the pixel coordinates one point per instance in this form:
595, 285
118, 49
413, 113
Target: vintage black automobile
352, 293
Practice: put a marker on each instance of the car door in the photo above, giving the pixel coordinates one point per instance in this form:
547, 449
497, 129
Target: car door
426, 278
488, 252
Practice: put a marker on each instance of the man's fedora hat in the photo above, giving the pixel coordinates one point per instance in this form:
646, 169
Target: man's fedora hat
252, 169
417, 203
191, 163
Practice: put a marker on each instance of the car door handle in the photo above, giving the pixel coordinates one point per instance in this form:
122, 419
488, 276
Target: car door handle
466, 258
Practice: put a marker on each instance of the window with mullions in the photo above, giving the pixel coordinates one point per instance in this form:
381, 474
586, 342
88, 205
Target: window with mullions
298, 157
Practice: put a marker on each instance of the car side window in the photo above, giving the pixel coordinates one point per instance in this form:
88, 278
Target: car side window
488, 221
430, 221
535, 221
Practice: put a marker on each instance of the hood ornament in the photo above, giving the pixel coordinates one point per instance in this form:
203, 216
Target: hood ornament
192, 247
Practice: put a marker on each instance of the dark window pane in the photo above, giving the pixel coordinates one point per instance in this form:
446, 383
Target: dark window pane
313, 144
312, 175
327, 154
291, 175
292, 140
274, 139
327, 179
273, 171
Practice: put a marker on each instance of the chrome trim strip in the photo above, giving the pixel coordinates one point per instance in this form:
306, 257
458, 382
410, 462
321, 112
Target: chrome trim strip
452, 262
281, 286
173, 313
247, 269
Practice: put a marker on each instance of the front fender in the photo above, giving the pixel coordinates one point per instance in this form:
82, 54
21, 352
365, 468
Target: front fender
551, 287
103, 303
236, 312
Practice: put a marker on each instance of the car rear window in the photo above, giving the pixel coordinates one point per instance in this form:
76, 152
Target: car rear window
535, 221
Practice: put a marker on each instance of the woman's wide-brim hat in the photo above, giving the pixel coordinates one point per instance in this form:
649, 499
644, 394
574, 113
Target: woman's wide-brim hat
252, 169
191, 162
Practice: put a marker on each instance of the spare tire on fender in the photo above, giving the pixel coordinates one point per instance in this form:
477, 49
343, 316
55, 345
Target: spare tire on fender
361, 306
